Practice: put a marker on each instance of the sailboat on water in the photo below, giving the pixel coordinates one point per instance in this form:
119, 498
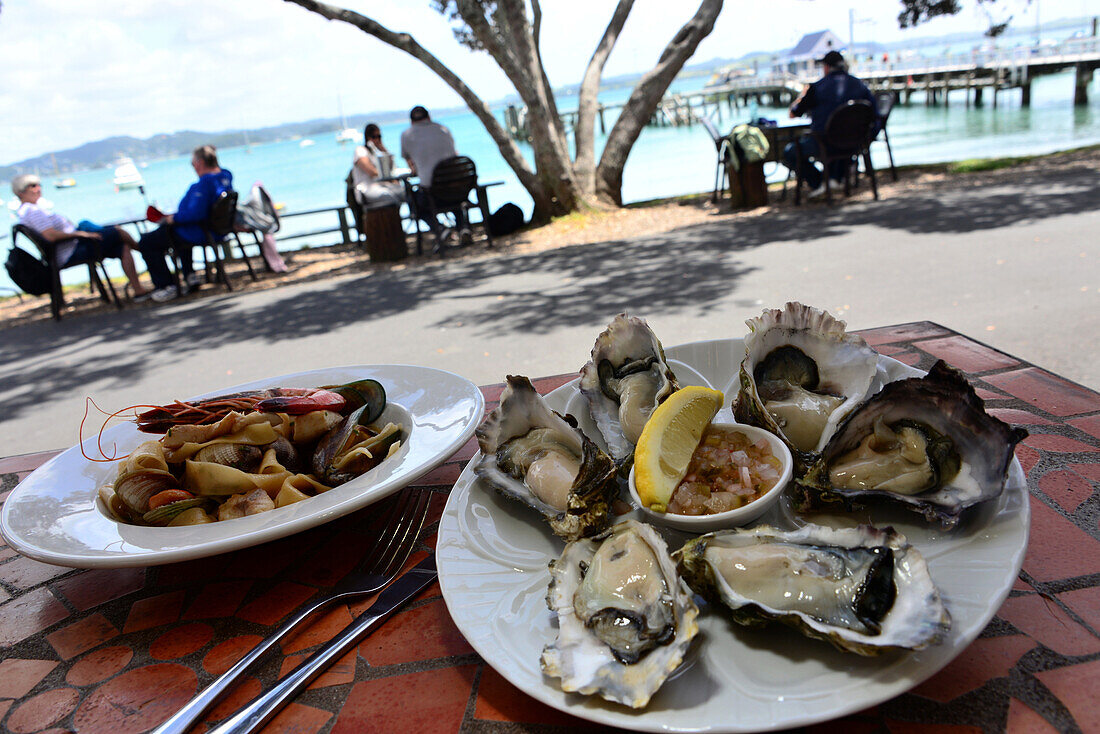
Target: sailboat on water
127, 176
61, 182
345, 134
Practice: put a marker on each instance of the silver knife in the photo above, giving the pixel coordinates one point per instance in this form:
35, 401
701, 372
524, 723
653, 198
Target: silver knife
260, 711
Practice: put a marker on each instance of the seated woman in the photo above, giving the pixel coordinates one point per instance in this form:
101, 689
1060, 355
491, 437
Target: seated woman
75, 246
372, 162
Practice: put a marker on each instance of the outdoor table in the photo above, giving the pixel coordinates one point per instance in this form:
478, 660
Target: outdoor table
120, 650
786, 131
747, 191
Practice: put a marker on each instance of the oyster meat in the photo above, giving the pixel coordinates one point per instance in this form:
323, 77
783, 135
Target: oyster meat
863, 589
925, 443
626, 379
802, 374
539, 457
625, 618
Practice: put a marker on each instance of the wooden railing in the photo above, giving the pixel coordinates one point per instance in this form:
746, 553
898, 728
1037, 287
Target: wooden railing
344, 225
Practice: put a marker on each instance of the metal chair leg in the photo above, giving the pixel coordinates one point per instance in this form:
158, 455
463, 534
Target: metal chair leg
244, 256
890, 152
870, 171
99, 281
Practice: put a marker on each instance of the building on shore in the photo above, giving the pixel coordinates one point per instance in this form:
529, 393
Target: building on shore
800, 60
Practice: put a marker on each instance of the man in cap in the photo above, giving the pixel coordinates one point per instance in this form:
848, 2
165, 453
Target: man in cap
818, 100
75, 245
424, 144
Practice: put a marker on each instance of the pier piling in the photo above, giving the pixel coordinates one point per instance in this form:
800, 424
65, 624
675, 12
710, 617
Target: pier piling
1081, 86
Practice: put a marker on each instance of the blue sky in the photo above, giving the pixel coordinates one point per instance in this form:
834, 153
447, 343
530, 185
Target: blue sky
76, 71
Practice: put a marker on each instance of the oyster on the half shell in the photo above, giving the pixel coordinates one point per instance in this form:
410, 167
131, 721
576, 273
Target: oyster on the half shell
625, 618
863, 589
802, 374
925, 443
625, 381
539, 457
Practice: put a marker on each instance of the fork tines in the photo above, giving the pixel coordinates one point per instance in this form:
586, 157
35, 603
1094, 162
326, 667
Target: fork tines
399, 534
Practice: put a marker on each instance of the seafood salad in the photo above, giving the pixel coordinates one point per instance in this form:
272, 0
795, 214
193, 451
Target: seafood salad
250, 452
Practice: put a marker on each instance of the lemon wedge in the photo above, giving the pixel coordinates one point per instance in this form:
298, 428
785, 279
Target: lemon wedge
668, 440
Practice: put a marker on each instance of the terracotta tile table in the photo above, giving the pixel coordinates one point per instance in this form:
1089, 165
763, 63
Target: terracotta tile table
118, 650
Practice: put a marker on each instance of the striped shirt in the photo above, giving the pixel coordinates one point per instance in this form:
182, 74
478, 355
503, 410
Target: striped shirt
39, 219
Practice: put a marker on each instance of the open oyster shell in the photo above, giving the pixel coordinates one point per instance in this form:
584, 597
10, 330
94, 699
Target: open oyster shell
539, 457
863, 589
802, 374
625, 618
925, 443
624, 382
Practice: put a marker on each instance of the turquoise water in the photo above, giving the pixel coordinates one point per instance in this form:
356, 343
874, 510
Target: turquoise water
664, 162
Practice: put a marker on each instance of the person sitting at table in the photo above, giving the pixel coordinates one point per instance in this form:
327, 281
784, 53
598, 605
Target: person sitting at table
818, 100
76, 244
185, 225
373, 161
424, 144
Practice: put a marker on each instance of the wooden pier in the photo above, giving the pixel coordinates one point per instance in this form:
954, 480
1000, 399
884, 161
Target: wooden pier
995, 72
934, 80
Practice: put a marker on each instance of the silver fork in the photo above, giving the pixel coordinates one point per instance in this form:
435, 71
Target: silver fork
378, 568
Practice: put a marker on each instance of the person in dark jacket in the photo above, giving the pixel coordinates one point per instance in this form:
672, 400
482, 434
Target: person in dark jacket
186, 224
819, 100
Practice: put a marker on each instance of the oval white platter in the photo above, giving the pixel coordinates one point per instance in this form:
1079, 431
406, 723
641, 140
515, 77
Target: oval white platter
493, 552
53, 515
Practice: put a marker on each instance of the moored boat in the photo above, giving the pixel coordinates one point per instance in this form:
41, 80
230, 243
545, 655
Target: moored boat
348, 135
127, 176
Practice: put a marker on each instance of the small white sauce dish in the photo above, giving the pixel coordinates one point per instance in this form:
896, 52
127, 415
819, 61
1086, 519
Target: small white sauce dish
731, 518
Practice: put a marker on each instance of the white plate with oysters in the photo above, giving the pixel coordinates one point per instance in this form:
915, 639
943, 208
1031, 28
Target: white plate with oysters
966, 530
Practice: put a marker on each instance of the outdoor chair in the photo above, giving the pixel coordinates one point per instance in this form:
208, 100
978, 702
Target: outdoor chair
270, 214
48, 251
721, 148
453, 180
358, 212
219, 224
884, 102
847, 136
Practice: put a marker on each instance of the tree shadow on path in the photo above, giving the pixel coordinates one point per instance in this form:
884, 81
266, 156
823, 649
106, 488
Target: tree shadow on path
692, 268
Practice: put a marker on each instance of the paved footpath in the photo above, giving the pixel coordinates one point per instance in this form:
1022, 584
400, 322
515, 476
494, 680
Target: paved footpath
1016, 266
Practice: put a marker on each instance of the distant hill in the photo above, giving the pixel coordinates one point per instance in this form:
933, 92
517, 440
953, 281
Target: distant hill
102, 153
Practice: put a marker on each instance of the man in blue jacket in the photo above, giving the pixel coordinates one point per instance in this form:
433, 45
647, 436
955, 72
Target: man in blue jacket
186, 224
819, 100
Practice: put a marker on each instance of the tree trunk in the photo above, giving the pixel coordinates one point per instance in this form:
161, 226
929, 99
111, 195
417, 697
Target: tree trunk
645, 98
588, 101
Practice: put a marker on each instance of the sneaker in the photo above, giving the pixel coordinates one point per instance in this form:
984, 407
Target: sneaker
194, 280
142, 298
465, 238
167, 293
818, 192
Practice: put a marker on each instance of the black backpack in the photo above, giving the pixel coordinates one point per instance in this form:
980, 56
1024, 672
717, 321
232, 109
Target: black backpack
506, 220
28, 272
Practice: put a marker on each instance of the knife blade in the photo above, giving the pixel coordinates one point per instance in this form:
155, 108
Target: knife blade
263, 709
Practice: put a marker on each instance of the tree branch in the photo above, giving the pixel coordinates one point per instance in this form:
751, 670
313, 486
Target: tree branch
588, 99
647, 95
536, 35
470, 11
405, 42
